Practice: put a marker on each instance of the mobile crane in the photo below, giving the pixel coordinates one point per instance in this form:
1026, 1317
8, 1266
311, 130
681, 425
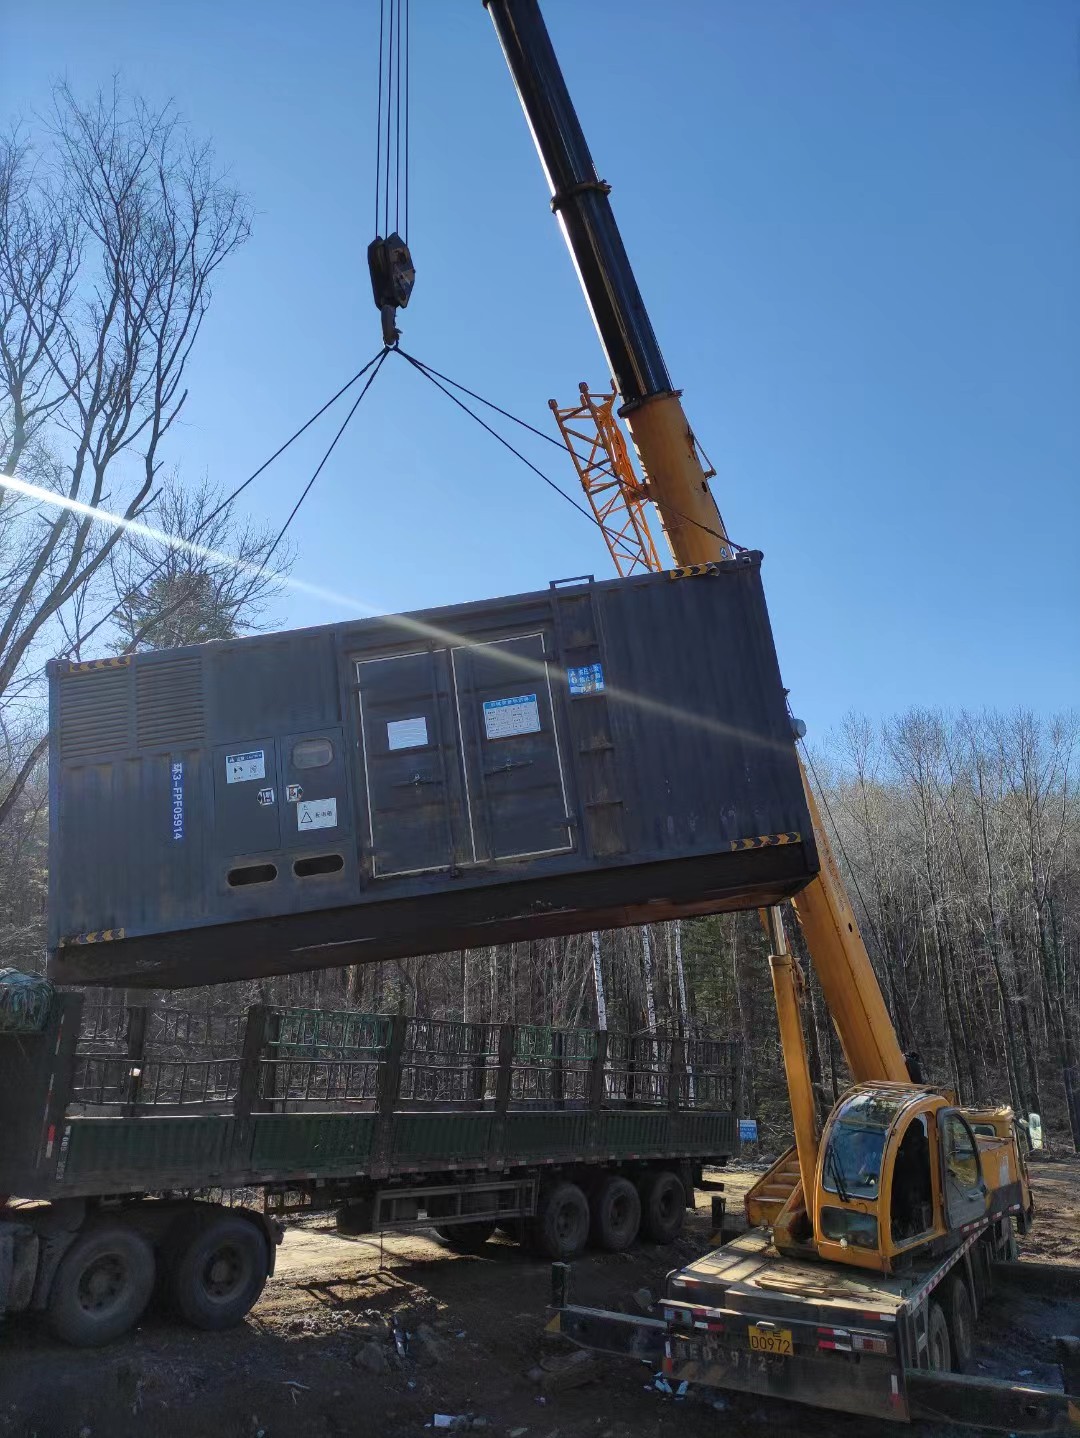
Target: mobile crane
873, 1242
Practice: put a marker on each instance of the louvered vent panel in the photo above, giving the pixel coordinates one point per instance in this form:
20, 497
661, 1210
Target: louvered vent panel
94, 713
169, 703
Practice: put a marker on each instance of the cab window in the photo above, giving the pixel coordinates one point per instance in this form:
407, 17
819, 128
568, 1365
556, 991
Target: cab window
852, 1164
961, 1157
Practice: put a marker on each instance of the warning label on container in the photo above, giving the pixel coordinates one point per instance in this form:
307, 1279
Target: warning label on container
316, 814
407, 733
503, 718
588, 679
266, 796
239, 768
293, 793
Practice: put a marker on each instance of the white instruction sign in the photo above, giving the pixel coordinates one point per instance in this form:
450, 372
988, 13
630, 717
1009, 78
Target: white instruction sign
316, 814
407, 733
239, 768
503, 718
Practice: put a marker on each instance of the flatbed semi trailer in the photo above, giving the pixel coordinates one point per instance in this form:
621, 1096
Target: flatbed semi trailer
892, 1347
128, 1132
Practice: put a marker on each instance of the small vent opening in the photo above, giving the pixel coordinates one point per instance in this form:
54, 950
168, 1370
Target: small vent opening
252, 874
318, 864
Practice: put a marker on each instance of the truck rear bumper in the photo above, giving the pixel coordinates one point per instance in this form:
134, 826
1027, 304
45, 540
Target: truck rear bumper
862, 1384
867, 1384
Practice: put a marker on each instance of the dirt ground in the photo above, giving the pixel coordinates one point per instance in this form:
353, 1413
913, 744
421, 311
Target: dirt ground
317, 1356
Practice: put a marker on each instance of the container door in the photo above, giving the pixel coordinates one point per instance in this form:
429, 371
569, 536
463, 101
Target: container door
403, 711
964, 1189
514, 778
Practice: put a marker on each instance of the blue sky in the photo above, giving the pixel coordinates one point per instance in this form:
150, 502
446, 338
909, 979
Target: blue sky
856, 224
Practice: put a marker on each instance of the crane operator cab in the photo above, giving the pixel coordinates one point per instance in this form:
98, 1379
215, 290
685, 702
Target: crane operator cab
901, 1170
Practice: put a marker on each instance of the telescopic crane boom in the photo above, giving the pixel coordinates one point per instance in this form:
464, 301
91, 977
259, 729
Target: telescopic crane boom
677, 483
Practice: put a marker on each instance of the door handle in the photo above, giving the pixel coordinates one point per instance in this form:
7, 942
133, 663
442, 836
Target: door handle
509, 764
415, 782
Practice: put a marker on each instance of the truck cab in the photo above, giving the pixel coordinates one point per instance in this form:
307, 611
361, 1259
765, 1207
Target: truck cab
903, 1172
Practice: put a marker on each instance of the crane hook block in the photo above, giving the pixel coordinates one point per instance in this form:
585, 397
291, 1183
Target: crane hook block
392, 278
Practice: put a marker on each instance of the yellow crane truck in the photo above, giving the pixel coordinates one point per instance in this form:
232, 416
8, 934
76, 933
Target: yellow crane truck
875, 1241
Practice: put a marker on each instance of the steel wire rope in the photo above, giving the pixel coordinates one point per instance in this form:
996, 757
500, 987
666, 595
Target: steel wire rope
393, 113
405, 232
378, 122
378, 363
389, 86
416, 364
434, 375
233, 494
397, 128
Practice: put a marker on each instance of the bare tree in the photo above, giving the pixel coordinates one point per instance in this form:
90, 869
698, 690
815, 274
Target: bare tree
113, 222
211, 581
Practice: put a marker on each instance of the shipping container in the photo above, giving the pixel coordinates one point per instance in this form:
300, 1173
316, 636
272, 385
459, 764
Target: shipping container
587, 756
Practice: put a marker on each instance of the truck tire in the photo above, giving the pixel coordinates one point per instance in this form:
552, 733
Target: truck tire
961, 1319
938, 1347
465, 1237
560, 1229
102, 1285
218, 1263
615, 1208
663, 1205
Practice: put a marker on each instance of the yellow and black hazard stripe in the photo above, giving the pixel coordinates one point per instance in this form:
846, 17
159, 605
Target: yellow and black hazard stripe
691, 571
766, 841
90, 666
95, 936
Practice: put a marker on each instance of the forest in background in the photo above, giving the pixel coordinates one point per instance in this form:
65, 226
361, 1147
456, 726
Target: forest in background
958, 835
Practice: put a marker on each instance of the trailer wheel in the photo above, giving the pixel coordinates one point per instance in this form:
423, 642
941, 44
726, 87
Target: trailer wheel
102, 1285
663, 1205
939, 1351
961, 1324
561, 1227
218, 1268
616, 1213
465, 1237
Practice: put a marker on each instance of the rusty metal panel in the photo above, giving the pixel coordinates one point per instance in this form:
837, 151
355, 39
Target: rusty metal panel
588, 756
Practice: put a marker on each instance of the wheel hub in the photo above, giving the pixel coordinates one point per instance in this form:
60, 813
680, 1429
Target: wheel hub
101, 1284
222, 1272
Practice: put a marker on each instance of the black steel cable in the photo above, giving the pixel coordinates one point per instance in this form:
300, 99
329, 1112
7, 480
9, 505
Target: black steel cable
378, 125
296, 435
416, 364
377, 361
524, 423
434, 373
405, 232
397, 130
229, 498
389, 85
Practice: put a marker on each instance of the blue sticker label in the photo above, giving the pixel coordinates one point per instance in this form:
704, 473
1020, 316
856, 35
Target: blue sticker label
748, 1130
588, 679
176, 775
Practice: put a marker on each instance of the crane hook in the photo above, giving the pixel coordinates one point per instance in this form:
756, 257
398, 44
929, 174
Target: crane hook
392, 278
